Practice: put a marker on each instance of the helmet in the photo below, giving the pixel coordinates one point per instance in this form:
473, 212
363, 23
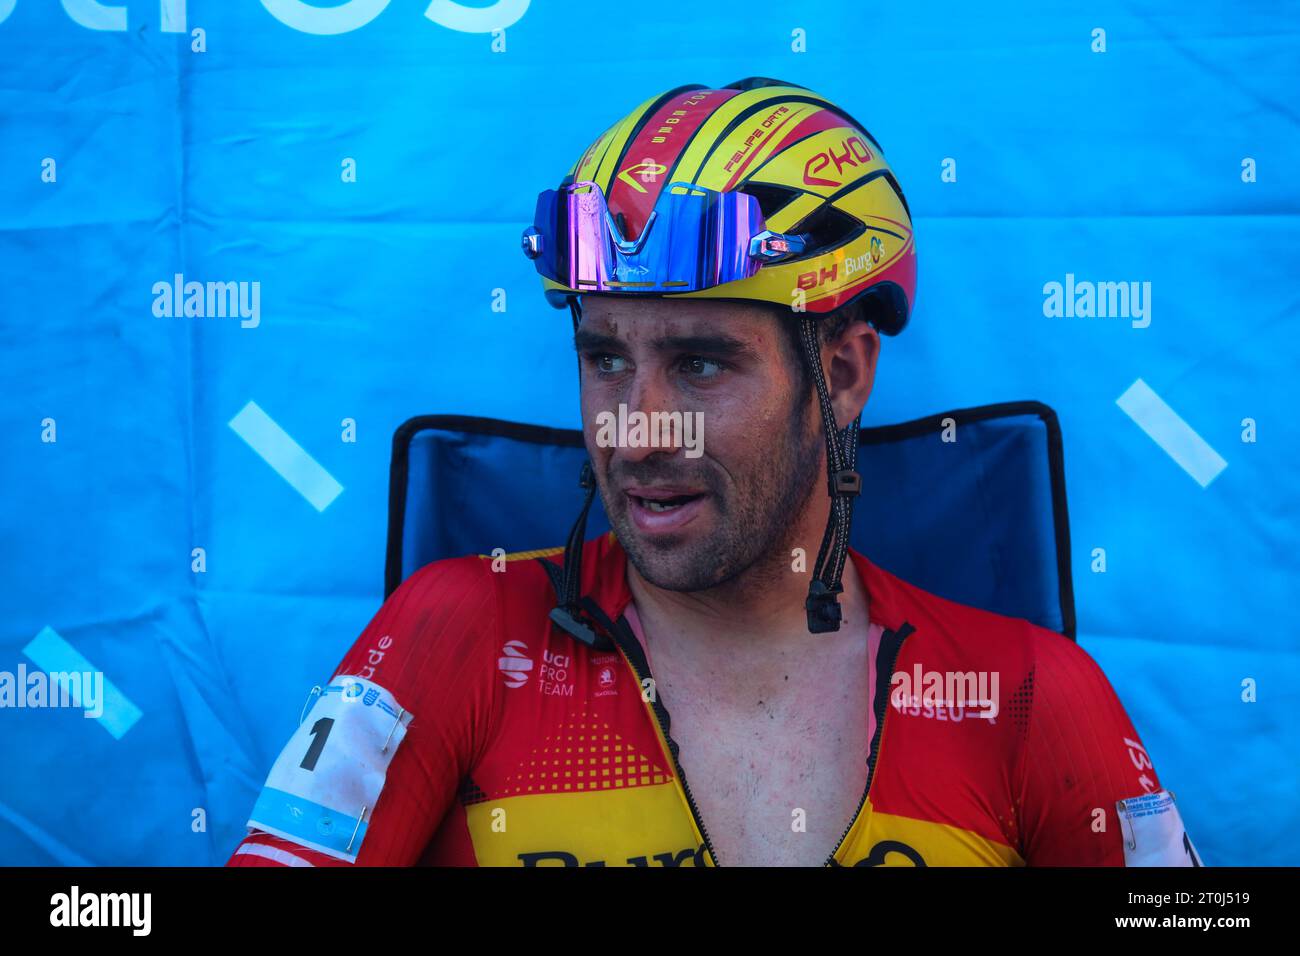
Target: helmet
827, 223
760, 191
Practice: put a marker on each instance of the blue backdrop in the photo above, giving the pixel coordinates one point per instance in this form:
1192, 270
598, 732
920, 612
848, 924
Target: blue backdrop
370, 165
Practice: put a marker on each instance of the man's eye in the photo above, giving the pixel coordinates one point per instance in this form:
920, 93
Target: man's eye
702, 367
608, 364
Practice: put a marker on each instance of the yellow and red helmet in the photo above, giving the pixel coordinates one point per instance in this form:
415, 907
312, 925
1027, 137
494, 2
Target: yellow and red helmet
760, 191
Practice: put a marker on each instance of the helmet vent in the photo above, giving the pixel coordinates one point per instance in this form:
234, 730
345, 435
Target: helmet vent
771, 197
759, 82
827, 227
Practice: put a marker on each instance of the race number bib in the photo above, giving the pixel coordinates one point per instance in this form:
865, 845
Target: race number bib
1153, 832
325, 783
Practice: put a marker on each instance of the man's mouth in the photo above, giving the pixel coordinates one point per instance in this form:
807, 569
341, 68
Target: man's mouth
660, 510
663, 504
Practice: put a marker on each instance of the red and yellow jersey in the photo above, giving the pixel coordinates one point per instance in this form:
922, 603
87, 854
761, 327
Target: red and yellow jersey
463, 728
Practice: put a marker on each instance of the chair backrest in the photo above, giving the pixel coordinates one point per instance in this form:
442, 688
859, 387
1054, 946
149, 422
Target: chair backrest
967, 504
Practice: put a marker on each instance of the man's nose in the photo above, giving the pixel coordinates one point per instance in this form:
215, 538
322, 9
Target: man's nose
652, 396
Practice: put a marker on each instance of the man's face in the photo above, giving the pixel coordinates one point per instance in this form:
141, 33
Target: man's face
694, 521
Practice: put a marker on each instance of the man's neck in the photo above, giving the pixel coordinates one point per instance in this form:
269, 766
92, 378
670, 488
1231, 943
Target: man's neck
759, 612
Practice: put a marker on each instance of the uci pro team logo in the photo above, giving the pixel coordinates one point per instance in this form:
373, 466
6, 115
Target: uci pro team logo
300, 15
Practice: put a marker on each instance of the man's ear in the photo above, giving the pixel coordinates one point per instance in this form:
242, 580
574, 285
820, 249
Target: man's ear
852, 363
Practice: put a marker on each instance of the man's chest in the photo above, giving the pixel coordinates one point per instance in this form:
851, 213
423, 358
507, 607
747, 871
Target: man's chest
778, 781
577, 773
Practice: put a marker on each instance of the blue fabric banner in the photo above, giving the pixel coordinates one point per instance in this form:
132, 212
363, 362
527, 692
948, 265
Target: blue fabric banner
194, 506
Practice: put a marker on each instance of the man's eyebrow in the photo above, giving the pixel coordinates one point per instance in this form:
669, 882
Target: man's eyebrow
716, 343
587, 341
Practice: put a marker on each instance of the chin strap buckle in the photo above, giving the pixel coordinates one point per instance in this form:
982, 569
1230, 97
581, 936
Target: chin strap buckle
823, 607
574, 626
846, 483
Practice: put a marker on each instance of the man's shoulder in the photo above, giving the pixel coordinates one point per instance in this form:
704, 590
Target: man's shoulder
961, 632
450, 613
1035, 666
451, 581
519, 583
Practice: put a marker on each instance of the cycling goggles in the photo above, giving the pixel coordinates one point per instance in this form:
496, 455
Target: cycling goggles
694, 238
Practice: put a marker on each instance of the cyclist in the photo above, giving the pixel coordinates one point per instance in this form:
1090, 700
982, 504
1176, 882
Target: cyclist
729, 257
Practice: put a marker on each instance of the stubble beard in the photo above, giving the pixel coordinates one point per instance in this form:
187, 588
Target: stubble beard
751, 545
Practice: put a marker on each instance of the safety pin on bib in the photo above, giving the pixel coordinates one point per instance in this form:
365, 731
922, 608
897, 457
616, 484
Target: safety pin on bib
400, 712
362, 816
311, 696
1129, 840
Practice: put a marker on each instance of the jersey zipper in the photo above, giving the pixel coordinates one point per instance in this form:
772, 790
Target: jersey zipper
892, 641
621, 635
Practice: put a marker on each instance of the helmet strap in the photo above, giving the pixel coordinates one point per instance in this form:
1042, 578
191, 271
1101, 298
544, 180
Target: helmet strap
843, 484
568, 613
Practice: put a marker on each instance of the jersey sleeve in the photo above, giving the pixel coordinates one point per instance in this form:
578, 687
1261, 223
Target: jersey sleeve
430, 651
1081, 758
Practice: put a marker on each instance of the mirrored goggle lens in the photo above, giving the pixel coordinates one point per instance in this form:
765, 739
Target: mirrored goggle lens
695, 238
